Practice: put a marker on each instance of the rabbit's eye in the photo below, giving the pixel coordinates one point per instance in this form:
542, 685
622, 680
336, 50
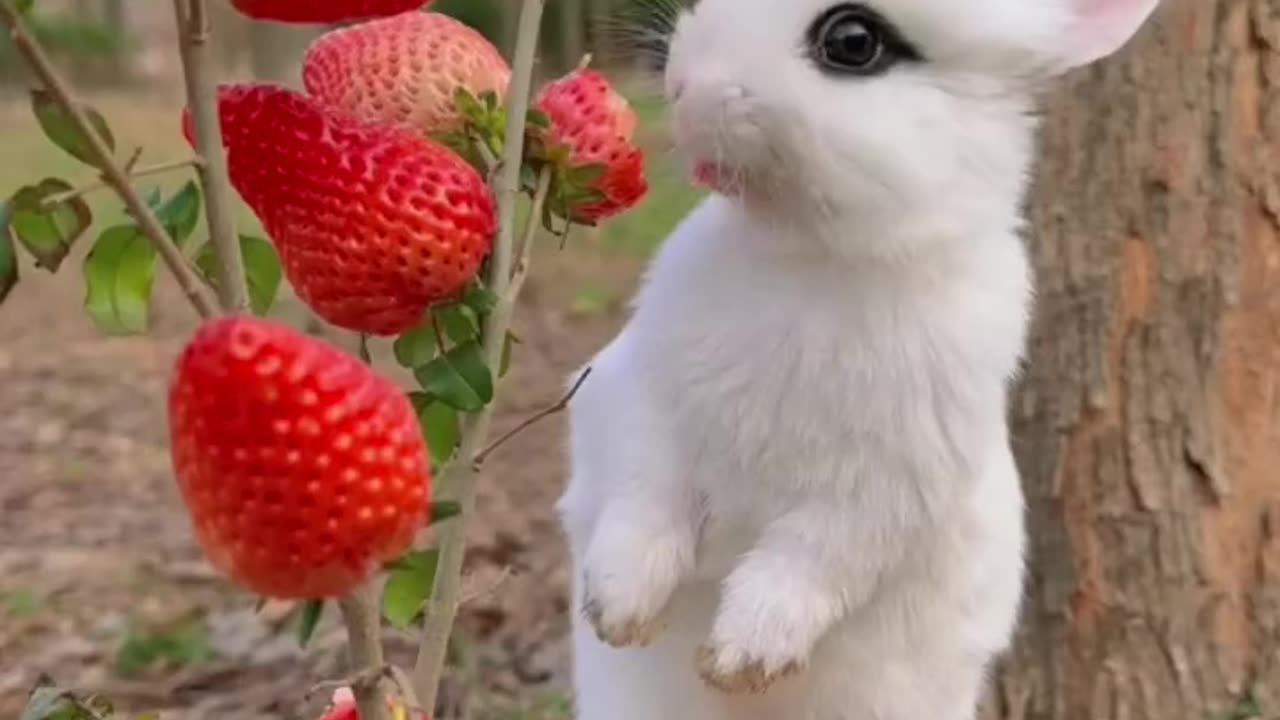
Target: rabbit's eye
853, 39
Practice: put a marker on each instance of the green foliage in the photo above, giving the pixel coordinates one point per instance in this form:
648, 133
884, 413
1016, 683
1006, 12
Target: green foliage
415, 347
261, 267
119, 274
48, 702
47, 230
187, 643
1248, 708
22, 603
443, 510
459, 378
59, 127
8, 254
309, 620
86, 47
409, 586
181, 213
439, 424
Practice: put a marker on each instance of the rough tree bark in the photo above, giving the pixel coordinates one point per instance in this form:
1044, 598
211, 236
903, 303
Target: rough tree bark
1148, 422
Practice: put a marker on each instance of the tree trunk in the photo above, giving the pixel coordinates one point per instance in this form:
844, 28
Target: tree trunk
1148, 423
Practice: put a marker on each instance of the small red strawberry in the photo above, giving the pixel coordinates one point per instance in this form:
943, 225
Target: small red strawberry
404, 69
302, 469
323, 11
342, 706
373, 223
596, 124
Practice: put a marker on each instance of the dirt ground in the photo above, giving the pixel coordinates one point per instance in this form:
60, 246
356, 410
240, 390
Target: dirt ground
102, 588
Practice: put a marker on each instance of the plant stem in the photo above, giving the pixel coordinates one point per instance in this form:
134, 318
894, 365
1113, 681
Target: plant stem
138, 173
112, 173
364, 641
192, 17
560, 406
458, 482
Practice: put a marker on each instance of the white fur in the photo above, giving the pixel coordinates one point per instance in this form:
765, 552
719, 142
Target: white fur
791, 470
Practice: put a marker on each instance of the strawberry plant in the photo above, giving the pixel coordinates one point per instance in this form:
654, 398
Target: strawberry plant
388, 194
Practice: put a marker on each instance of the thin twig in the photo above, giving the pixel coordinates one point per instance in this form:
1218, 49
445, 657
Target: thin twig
114, 175
458, 479
364, 641
543, 414
535, 215
192, 18
134, 174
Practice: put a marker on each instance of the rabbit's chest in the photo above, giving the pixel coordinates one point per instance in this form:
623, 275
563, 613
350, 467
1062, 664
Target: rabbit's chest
773, 404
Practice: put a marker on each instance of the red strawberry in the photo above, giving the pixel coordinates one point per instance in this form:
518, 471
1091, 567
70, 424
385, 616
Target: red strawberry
302, 469
596, 124
404, 69
342, 706
323, 11
373, 223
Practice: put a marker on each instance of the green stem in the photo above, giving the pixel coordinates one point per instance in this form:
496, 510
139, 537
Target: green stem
505, 279
202, 98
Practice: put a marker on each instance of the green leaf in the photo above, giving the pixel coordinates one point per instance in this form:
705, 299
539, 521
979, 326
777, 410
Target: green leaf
24, 6
308, 620
263, 272
186, 643
61, 129
416, 346
181, 213
409, 586
460, 378
490, 100
584, 176
261, 268
119, 274
48, 232
537, 118
469, 106
439, 428
443, 510
8, 255
480, 299
457, 322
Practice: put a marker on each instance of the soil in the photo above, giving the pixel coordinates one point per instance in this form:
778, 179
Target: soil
103, 589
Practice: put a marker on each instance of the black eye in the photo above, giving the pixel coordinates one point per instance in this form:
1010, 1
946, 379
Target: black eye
853, 39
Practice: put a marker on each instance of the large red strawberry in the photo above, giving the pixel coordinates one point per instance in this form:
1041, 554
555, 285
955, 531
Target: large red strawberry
302, 469
323, 11
404, 69
596, 124
373, 223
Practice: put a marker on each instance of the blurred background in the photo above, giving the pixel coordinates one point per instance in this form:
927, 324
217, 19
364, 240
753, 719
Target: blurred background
1147, 422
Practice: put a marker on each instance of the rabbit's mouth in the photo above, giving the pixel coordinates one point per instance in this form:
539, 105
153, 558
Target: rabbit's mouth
717, 177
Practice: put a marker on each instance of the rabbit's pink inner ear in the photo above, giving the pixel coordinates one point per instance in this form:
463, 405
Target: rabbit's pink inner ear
1103, 26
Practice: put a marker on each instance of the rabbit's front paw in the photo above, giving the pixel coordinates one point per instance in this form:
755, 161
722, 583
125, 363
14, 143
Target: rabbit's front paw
769, 620
629, 577
749, 664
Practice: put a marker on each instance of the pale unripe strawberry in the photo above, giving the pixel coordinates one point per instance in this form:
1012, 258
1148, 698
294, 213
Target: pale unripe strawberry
303, 470
404, 69
596, 124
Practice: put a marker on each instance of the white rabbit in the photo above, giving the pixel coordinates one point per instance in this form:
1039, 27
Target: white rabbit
792, 493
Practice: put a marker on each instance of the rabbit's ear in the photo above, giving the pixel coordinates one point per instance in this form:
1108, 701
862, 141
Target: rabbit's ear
1098, 28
